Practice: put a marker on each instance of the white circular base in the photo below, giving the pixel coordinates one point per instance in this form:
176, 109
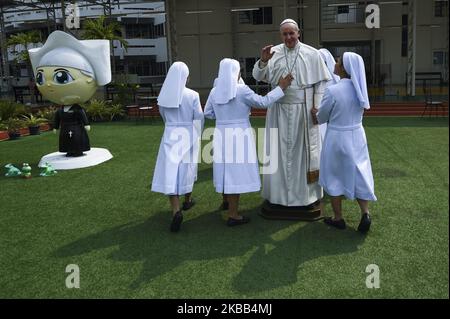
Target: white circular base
93, 157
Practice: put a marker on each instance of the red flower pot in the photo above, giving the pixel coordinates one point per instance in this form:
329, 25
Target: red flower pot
45, 127
24, 131
4, 135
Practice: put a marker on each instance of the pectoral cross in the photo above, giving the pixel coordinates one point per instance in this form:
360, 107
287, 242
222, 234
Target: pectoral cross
70, 134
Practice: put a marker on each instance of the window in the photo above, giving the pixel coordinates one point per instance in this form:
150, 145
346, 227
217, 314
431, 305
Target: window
440, 7
350, 14
439, 57
343, 9
260, 16
145, 66
362, 48
246, 72
144, 31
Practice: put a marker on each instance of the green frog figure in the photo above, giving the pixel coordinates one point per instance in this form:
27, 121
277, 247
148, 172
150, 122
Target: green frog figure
12, 171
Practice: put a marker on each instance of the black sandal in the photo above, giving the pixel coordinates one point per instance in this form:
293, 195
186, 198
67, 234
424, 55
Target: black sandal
364, 224
176, 222
235, 222
188, 205
340, 224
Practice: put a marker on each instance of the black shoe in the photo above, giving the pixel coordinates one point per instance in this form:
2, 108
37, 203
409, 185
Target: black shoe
235, 222
364, 224
340, 224
224, 206
188, 205
176, 222
313, 205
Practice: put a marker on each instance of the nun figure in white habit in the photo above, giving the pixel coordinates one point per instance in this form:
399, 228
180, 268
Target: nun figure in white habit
235, 167
345, 168
295, 181
330, 62
176, 165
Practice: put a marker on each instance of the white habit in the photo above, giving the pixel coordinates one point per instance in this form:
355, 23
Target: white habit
235, 167
298, 138
176, 165
330, 62
345, 167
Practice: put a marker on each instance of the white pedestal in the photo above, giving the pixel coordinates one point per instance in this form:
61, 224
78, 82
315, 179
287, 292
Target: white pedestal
60, 161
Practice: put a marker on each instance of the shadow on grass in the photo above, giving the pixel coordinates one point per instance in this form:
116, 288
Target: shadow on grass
277, 267
206, 238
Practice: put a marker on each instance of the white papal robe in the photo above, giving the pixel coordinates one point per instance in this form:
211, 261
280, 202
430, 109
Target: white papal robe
298, 139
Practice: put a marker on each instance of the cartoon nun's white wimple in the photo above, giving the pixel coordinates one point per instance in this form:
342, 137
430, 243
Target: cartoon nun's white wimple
172, 89
63, 50
227, 81
330, 62
354, 66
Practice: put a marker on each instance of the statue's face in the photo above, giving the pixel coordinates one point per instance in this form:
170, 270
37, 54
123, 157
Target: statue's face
289, 35
65, 86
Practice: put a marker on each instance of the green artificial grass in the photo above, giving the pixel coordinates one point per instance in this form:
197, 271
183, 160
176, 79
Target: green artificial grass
105, 220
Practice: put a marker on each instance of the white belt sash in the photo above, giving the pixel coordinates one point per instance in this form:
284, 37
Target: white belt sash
172, 124
232, 122
344, 128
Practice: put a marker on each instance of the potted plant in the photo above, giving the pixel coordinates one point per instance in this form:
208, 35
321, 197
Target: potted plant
97, 110
44, 127
33, 123
48, 113
13, 126
116, 111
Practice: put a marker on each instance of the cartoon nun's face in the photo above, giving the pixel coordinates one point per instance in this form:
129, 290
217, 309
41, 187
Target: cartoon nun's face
64, 85
69, 71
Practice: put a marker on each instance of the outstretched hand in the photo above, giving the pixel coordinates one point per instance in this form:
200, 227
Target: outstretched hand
286, 81
266, 55
314, 115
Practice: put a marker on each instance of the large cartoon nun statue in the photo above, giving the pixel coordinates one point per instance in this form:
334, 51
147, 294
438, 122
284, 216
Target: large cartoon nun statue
68, 72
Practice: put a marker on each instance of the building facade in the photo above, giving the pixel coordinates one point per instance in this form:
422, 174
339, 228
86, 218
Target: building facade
208, 30
202, 32
142, 25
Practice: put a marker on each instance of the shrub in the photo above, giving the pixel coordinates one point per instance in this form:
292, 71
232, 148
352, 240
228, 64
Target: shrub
48, 113
13, 124
96, 110
10, 109
116, 111
99, 110
31, 120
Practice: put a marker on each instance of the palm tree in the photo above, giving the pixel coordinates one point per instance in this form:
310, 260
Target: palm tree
24, 40
108, 30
